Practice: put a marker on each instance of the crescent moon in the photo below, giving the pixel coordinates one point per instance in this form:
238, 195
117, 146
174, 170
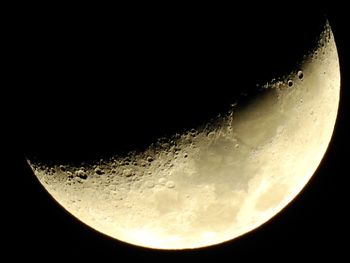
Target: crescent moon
213, 183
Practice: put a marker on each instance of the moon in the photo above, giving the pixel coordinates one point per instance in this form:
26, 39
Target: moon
215, 182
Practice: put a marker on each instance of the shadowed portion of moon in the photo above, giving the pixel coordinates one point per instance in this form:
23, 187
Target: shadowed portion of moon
95, 90
218, 180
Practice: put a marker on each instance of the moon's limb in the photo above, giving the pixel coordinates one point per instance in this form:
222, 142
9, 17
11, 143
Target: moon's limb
214, 183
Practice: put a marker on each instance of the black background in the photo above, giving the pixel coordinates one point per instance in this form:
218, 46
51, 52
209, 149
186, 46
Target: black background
86, 82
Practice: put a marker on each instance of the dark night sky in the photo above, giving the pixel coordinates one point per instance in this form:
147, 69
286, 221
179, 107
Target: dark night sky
90, 69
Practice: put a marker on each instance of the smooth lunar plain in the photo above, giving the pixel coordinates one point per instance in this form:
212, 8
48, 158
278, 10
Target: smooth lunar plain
215, 182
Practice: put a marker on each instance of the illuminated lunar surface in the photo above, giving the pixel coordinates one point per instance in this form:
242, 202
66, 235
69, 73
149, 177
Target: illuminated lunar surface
216, 182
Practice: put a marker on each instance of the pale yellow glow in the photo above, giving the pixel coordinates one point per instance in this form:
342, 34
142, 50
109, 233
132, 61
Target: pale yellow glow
221, 182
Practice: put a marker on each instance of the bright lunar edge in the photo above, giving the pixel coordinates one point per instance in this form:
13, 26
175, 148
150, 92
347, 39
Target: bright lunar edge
215, 182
